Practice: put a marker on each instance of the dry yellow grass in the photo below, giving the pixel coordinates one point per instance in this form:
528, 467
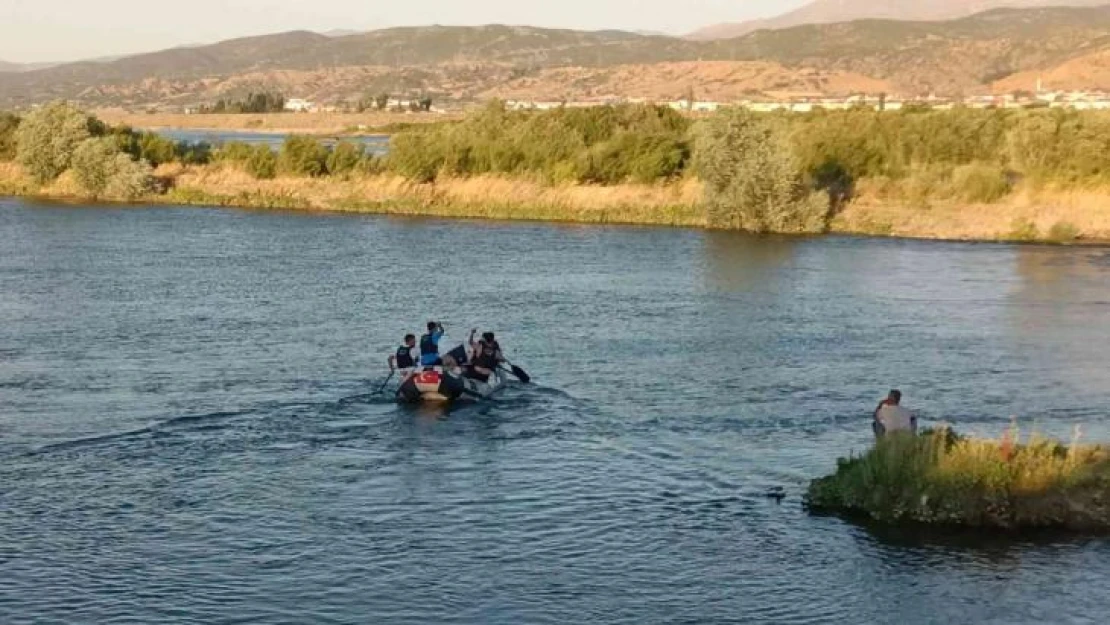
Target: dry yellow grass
304, 123
480, 197
1087, 211
675, 204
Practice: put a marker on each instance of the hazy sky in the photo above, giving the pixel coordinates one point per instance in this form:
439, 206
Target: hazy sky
58, 30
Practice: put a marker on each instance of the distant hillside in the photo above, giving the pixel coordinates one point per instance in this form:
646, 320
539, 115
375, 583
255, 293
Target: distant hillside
907, 57
833, 11
10, 67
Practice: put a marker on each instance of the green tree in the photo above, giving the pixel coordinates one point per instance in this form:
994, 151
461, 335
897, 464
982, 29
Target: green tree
103, 170
9, 122
303, 156
156, 149
47, 137
381, 102
752, 179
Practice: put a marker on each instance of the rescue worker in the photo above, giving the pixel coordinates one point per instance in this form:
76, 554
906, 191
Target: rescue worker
429, 345
403, 359
485, 356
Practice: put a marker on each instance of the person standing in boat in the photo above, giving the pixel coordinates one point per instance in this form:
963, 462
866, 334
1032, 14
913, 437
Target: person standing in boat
429, 345
403, 358
485, 356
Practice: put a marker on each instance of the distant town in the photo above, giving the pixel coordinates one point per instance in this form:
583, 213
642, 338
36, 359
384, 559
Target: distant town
797, 103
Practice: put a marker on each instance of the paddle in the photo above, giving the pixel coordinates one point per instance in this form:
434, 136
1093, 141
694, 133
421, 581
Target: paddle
384, 384
519, 373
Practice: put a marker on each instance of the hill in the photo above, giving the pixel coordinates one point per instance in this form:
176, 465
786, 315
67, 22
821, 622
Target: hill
833, 11
907, 57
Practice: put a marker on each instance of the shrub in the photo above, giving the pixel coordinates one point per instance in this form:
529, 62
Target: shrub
190, 153
257, 160
156, 149
102, 170
92, 162
344, 158
262, 163
235, 152
129, 179
1063, 232
302, 156
980, 182
8, 125
370, 165
47, 137
603, 145
1023, 230
415, 155
752, 179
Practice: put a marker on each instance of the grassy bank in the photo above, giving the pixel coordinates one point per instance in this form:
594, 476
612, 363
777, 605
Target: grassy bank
968, 175
943, 479
487, 197
1025, 216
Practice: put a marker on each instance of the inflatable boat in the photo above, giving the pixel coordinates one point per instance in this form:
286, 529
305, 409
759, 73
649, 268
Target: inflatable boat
448, 383
440, 385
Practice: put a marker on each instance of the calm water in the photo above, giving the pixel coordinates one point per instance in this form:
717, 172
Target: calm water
187, 433
376, 144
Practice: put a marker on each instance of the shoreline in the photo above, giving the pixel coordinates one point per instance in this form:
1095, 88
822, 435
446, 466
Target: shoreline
674, 204
373, 123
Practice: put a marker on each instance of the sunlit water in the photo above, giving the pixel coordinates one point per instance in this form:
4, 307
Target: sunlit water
188, 435
374, 144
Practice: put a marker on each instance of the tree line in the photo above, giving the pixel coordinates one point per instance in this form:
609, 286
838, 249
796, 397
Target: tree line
253, 103
762, 172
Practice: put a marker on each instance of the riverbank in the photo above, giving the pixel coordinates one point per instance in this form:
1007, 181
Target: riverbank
941, 478
291, 123
1047, 216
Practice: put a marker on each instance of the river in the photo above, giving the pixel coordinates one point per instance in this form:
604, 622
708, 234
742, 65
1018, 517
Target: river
374, 144
188, 435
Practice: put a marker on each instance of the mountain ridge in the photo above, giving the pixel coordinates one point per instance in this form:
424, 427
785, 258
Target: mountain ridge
836, 11
907, 57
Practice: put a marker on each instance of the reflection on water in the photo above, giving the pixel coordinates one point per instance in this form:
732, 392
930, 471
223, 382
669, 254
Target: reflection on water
737, 262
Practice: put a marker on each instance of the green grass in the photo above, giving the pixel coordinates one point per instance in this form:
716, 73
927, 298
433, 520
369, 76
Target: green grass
942, 478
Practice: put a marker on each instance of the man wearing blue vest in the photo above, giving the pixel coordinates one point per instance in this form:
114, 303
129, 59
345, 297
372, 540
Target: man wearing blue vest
429, 345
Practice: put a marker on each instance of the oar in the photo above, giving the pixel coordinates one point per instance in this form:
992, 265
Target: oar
520, 374
384, 384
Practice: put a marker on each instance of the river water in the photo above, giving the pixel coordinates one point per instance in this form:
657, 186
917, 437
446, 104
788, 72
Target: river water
374, 144
188, 435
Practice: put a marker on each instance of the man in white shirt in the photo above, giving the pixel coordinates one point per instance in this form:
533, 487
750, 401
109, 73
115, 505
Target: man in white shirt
891, 416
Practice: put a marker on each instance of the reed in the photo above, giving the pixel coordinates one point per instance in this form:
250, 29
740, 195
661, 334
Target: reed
943, 478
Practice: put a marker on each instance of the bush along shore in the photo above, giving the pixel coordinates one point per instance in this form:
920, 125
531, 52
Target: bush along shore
1029, 175
941, 478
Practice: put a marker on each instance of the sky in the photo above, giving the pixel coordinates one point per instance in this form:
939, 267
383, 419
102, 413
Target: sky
66, 30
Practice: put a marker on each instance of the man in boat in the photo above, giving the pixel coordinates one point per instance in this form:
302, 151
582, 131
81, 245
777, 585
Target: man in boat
485, 356
403, 359
429, 345
891, 416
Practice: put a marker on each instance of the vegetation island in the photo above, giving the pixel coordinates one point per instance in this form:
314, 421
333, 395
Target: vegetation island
942, 478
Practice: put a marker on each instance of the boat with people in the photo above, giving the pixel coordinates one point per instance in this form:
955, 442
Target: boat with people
442, 384
462, 374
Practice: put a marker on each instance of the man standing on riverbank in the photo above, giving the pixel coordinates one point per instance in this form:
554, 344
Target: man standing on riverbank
891, 416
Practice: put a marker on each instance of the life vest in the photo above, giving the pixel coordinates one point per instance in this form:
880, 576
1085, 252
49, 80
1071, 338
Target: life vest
428, 345
486, 357
404, 358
